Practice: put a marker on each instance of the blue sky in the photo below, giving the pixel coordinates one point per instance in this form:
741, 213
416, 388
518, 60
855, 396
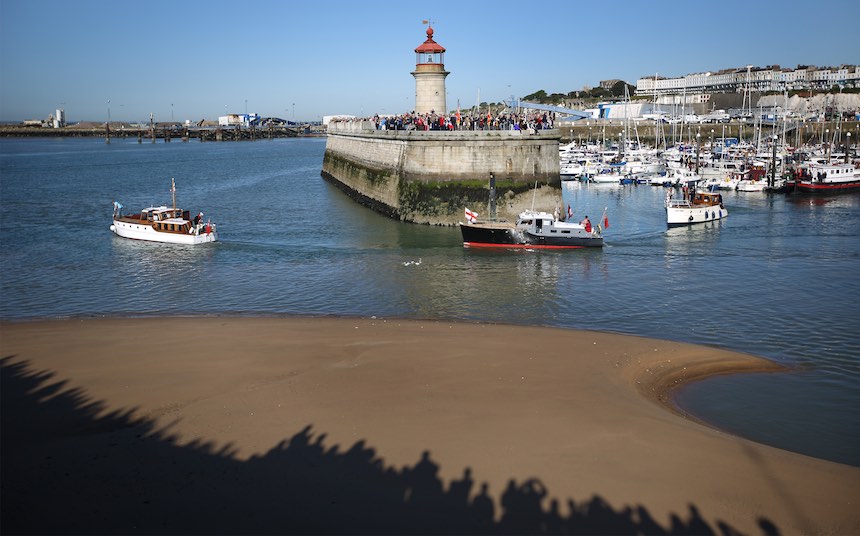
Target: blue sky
194, 59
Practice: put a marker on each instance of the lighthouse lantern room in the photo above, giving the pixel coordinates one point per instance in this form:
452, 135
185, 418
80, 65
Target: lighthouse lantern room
430, 76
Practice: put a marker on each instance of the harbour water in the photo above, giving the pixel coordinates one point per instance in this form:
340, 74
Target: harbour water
778, 278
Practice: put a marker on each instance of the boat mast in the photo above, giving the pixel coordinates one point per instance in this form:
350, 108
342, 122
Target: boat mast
658, 117
173, 192
493, 196
783, 151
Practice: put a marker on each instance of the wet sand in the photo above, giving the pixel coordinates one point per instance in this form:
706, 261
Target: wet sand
255, 425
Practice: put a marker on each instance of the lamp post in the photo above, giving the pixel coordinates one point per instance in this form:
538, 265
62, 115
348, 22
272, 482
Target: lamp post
711, 144
856, 133
294, 113
801, 128
772, 175
171, 112
847, 147
698, 137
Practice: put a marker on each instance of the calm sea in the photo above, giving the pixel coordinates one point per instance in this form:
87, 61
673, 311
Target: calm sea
779, 278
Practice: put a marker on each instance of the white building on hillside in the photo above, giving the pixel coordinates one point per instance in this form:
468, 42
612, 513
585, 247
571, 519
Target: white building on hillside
772, 78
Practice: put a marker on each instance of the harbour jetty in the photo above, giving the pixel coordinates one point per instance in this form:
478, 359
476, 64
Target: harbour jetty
428, 176
165, 133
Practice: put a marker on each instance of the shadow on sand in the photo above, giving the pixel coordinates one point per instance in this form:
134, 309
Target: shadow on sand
71, 466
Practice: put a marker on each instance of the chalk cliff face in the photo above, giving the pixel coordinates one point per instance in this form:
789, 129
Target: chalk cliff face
429, 177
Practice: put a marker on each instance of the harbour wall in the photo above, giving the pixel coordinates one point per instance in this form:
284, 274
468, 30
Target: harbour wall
161, 132
430, 176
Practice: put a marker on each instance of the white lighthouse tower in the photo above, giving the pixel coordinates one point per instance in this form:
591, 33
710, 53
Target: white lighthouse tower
430, 76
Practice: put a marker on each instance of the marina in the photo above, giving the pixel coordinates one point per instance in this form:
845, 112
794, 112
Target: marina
643, 281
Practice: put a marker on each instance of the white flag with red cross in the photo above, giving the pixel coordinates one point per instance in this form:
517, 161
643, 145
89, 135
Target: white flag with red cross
471, 217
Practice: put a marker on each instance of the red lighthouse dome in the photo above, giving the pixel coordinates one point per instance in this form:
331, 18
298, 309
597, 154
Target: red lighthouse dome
430, 52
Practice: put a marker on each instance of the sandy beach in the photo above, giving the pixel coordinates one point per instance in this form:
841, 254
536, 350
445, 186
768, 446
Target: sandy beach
284, 425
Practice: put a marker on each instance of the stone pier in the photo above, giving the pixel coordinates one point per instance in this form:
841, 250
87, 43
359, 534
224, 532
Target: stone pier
430, 176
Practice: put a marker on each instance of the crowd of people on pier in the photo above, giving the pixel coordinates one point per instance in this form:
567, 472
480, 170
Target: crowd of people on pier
530, 122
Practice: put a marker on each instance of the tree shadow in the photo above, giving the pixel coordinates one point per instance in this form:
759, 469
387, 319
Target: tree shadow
70, 465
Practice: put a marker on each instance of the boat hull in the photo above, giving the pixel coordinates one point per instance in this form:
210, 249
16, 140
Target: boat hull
606, 178
139, 231
751, 186
678, 216
507, 236
811, 187
562, 242
485, 234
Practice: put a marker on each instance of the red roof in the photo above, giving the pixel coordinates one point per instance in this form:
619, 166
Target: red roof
430, 45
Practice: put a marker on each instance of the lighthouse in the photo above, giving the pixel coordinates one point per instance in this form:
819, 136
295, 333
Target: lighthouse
430, 76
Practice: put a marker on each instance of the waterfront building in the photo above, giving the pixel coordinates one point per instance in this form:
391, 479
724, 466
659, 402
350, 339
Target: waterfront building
430, 76
60, 118
234, 120
751, 79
